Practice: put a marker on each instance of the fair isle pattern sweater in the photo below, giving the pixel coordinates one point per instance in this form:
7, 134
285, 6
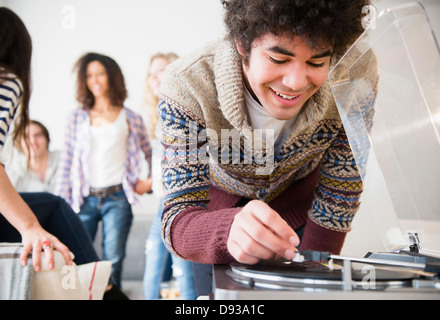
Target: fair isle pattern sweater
204, 92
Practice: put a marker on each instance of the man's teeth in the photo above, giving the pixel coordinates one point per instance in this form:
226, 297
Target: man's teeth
284, 96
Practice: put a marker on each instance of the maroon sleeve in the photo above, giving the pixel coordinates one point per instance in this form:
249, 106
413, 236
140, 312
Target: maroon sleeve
201, 235
322, 239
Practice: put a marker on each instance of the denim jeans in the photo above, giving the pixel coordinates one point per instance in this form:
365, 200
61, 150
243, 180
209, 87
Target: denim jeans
157, 256
58, 218
115, 213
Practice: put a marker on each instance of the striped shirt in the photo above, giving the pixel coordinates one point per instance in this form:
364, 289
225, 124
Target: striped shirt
11, 91
73, 177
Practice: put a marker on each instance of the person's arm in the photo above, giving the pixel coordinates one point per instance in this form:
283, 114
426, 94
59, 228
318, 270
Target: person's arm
142, 185
187, 226
193, 231
63, 186
12, 206
20, 216
144, 142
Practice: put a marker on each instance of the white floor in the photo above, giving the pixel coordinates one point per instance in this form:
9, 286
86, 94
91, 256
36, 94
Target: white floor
133, 289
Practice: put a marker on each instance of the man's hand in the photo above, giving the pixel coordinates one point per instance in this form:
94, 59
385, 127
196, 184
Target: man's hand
258, 232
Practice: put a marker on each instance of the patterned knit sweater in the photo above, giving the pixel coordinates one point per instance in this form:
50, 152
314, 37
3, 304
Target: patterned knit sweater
313, 181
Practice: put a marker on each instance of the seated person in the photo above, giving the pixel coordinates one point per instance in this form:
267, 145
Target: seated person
41, 221
34, 167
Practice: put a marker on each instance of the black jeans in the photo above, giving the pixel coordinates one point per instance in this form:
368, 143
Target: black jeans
58, 218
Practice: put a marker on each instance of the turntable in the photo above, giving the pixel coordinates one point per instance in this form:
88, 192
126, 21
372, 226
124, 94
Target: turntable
354, 278
398, 158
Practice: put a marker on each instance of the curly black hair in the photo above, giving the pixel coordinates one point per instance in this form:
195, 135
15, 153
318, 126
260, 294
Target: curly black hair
321, 23
116, 82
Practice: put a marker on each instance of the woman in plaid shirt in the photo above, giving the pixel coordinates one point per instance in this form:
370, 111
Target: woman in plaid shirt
100, 166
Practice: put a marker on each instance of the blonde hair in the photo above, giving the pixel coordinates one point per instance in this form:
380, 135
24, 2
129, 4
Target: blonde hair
150, 100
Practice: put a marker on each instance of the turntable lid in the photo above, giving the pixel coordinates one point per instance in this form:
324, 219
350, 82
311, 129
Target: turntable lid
401, 171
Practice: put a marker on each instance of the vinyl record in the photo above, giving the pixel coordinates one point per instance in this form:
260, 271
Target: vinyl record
289, 273
306, 269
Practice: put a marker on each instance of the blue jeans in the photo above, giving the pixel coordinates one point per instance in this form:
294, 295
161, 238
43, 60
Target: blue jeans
157, 256
115, 213
58, 218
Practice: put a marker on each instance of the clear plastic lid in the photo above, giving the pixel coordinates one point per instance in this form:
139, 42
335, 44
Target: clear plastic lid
396, 144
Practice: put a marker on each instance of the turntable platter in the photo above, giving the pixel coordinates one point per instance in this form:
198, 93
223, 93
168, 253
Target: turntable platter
316, 270
282, 274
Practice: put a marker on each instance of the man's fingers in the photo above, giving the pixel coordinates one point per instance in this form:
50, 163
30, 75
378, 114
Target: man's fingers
272, 220
270, 239
240, 254
243, 247
258, 232
271, 228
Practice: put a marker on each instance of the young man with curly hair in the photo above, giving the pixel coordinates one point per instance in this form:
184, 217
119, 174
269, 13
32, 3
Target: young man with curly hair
257, 163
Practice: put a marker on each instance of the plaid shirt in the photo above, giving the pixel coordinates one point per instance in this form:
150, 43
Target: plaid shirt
73, 171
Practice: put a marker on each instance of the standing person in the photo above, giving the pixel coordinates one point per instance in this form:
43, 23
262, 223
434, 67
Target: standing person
37, 174
288, 178
26, 217
100, 164
157, 255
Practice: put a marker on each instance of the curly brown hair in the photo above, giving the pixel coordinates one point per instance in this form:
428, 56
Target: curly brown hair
116, 82
321, 23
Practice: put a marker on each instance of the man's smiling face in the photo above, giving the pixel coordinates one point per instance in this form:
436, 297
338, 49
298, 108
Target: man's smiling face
283, 72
